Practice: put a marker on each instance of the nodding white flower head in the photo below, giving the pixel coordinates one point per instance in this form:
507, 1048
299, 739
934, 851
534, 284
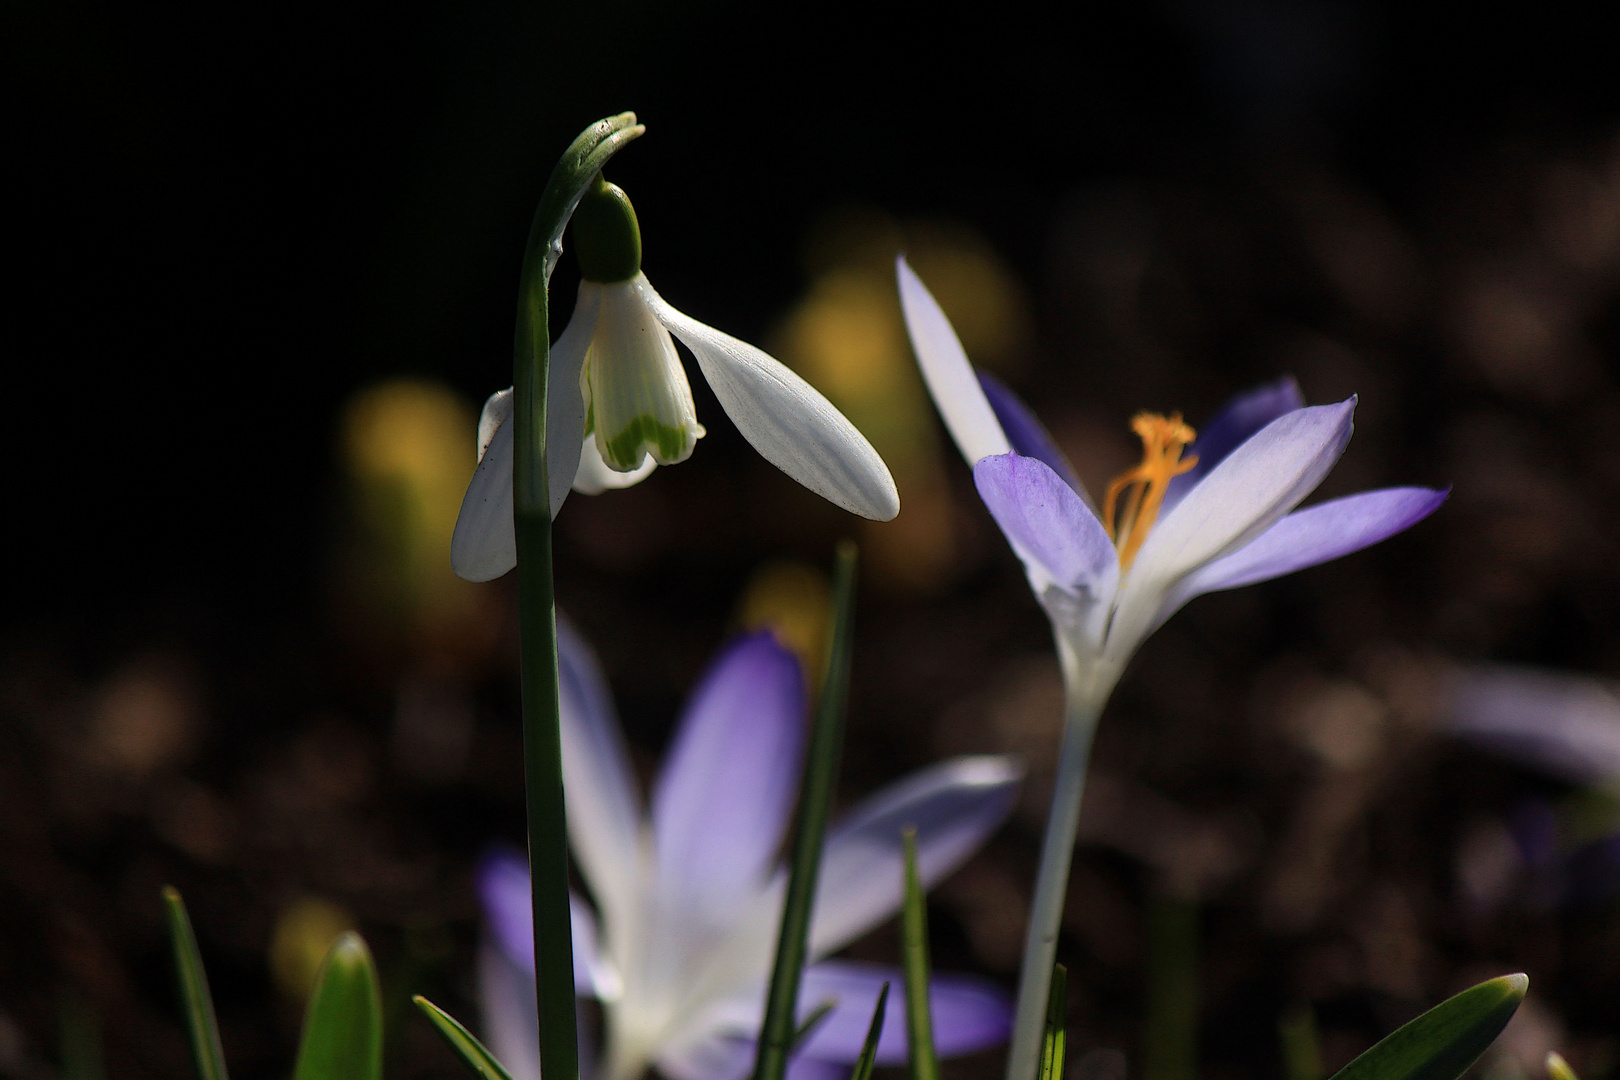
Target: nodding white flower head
1205, 510
689, 887
619, 403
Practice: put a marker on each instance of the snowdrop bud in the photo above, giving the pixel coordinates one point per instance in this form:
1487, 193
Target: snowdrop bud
607, 238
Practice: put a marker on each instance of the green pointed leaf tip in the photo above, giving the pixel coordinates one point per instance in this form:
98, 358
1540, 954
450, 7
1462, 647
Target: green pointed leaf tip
342, 1037
914, 942
472, 1053
1443, 1042
607, 237
207, 1053
868, 1058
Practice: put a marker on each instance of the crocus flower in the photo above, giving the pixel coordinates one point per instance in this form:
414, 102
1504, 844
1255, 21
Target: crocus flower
1200, 513
619, 404
688, 898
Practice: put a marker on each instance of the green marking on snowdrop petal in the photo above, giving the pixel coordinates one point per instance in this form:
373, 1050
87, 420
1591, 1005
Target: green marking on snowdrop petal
1443, 1042
816, 786
868, 1058
914, 944
607, 237
206, 1049
472, 1053
1057, 1010
342, 1037
668, 443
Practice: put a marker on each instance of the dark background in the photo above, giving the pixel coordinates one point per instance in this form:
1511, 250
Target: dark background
225, 222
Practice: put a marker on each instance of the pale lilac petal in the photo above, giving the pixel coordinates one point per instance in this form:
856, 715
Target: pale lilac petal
729, 781
565, 403
1026, 433
786, 419
506, 1000
484, 544
1562, 724
969, 1014
503, 889
1247, 492
1045, 521
945, 368
1311, 536
954, 806
604, 808
1231, 426
805, 1067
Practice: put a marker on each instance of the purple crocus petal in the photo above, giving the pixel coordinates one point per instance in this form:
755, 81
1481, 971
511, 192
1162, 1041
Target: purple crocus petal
945, 368
503, 889
1026, 433
805, 1067
969, 1014
1311, 536
1563, 724
1231, 426
506, 1000
954, 806
1046, 522
604, 808
1247, 492
723, 797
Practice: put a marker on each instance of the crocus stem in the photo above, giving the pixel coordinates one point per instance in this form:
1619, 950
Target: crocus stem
1051, 885
531, 503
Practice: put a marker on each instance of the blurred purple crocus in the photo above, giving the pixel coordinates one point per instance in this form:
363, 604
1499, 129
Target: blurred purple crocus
1202, 512
688, 896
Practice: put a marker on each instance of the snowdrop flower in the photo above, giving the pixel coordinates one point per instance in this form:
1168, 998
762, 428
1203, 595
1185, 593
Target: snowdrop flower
619, 404
1200, 513
688, 898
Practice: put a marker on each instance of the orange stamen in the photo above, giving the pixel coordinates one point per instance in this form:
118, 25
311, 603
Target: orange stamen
1144, 485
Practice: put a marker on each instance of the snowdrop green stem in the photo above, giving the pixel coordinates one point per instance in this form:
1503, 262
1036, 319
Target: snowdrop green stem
1080, 714
542, 746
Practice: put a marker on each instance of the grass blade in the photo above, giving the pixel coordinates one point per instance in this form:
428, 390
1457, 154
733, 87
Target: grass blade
1443, 1042
868, 1058
815, 803
473, 1053
811, 1022
1170, 1033
1053, 1047
206, 1050
79, 1029
914, 942
342, 1037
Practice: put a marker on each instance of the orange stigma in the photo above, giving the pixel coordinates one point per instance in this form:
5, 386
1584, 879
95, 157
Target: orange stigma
1144, 485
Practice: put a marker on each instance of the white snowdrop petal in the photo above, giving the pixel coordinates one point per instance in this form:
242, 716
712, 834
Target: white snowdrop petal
496, 411
484, 544
592, 477
787, 420
565, 406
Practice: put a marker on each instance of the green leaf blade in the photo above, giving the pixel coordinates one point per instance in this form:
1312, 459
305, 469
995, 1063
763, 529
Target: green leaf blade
868, 1058
1053, 1048
1443, 1042
473, 1053
342, 1037
207, 1051
914, 941
819, 780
